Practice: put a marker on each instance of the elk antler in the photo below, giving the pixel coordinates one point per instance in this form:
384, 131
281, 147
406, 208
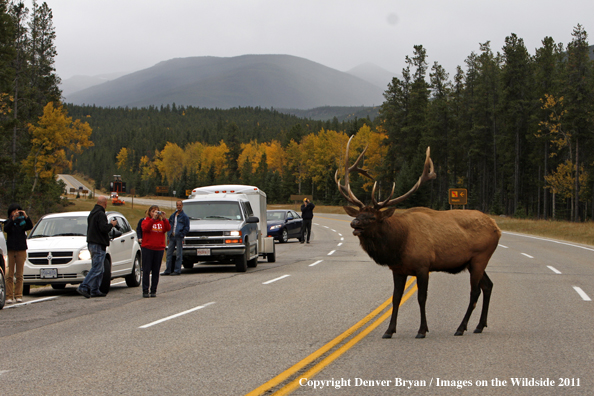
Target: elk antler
346, 189
428, 174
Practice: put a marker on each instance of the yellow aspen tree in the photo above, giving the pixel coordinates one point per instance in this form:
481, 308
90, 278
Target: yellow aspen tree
169, 162
54, 134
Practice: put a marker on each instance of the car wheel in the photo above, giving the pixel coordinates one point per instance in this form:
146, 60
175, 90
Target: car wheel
284, 236
106, 281
58, 286
2, 290
26, 290
134, 279
271, 256
241, 261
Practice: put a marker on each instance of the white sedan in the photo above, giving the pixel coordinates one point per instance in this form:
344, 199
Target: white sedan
57, 252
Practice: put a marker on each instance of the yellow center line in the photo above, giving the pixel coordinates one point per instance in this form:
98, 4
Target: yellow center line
318, 367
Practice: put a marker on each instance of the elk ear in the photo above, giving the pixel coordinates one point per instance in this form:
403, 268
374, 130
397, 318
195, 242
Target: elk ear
384, 214
353, 212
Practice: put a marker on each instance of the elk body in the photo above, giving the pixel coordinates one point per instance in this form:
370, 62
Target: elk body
421, 240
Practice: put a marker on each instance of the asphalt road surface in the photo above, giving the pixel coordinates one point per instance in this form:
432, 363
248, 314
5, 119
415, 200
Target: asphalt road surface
213, 331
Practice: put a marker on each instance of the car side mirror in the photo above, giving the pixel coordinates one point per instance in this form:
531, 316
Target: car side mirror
253, 219
115, 233
290, 218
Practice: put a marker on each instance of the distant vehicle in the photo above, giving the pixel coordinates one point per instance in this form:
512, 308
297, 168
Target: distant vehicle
115, 199
3, 262
57, 252
284, 224
227, 225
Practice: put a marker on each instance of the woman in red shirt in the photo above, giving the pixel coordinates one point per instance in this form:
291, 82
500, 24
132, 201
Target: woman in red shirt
154, 228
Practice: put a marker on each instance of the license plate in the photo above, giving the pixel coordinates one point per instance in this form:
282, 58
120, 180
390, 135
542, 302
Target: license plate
203, 252
48, 273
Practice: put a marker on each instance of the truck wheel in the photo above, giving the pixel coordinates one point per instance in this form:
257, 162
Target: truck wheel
134, 279
106, 281
241, 261
272, 256
253, 263
187, 264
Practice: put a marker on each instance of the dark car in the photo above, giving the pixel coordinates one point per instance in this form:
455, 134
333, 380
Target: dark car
284, 224
3, 264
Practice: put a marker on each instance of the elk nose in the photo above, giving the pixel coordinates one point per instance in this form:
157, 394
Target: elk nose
354, 223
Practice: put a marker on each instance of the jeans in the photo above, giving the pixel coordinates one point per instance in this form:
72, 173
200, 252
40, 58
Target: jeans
151, 263
95, 276
175, 244
306, 226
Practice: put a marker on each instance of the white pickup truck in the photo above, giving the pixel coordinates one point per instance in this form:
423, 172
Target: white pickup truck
227, 225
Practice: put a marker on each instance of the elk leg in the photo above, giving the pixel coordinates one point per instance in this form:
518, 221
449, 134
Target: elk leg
399, 283
486, 286
422, 284
475, 292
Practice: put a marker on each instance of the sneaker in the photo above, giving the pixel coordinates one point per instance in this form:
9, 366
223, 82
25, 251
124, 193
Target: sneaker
19, 300
98, 294
83, 292
9, 301
153, 294
165, 273
175, 273
145, 295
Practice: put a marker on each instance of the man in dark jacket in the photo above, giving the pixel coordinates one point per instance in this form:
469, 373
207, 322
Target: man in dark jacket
307, 214
180, 226
97, 240
16, 245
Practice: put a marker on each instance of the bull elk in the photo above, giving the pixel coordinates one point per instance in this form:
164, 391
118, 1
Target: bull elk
421, 240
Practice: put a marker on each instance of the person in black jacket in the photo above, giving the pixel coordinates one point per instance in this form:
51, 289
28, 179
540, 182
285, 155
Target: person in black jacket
16, 244
307, 214
97, 240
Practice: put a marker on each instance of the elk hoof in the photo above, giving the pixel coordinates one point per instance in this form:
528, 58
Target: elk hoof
459, 333
477, 330
387, 335
420, 335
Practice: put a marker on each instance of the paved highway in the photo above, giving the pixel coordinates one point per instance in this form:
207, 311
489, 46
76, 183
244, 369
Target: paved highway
212, 331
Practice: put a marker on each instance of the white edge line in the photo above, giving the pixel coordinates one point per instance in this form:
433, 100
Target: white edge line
339, 234
342, 239
30, 302
548, 240
527, 255
503, 246
340, 244
331, 253
555, 270
582, 293
275, 279
119, 283
332, 230
175, 316
316, 263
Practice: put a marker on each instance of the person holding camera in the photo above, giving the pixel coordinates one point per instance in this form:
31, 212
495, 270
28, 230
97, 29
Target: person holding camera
154, 227
97, 241
16, 244
307, 215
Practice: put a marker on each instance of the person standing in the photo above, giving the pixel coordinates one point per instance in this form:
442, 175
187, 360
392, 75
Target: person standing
97, 241
16, 245
180, 226
154, 227
307, 215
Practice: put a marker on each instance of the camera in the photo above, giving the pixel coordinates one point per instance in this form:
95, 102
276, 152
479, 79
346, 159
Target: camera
160, 213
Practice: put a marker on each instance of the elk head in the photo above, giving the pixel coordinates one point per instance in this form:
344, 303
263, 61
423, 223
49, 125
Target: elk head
367, 215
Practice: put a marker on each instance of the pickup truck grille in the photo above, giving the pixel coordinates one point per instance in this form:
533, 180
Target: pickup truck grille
211, 241
47, 258
205, 234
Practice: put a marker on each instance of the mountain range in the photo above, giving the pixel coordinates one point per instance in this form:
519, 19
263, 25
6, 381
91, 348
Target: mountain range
278, 81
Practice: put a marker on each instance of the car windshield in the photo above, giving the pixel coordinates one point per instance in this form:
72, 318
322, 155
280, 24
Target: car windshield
213, 210
60, 226
272, 216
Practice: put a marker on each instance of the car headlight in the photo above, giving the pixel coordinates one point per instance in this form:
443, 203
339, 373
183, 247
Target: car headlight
84, 254
275, 227
232, 233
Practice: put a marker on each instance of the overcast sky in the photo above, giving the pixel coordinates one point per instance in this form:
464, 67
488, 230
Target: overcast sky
105, 36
